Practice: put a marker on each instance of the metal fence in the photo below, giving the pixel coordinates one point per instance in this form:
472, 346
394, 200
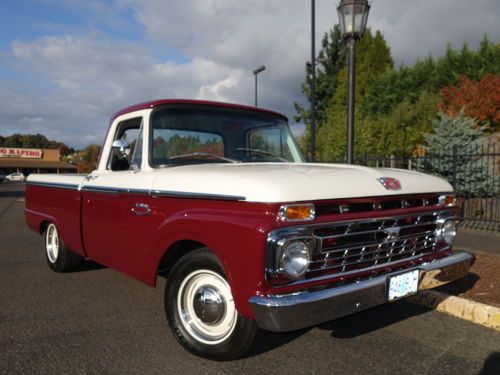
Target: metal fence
473, 171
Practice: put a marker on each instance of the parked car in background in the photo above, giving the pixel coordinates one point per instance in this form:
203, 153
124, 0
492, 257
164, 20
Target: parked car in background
16, 177
2, 177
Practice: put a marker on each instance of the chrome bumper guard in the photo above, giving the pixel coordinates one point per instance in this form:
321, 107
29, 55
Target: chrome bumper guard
300, 310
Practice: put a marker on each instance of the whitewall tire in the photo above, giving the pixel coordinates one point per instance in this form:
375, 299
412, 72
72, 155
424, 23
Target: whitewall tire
201, 311
59, 257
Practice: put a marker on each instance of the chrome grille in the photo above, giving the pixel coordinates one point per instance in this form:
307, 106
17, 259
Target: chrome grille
363, 244
381, 204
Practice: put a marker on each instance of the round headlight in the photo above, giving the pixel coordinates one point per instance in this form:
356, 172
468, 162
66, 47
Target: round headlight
295, 259
448, 231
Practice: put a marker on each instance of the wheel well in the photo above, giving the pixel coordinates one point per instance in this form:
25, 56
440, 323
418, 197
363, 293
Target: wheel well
43, 226
174, 253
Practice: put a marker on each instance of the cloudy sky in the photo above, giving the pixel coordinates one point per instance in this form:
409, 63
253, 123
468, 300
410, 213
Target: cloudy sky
67, 65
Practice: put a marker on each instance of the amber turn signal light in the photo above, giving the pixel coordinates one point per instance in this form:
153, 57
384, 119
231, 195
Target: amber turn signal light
447, 200
297, 212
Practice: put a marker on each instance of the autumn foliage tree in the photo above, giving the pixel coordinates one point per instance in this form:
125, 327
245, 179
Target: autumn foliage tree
87, 159
478, 99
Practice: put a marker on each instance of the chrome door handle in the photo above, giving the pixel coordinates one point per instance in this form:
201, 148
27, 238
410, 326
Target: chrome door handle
90, 177
141, 209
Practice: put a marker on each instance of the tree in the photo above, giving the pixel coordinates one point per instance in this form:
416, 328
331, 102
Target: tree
373, 59
34, 141
395, 86
331, 60
87, 159
400, 131
453, 152
13, 141
407, 83
478, 99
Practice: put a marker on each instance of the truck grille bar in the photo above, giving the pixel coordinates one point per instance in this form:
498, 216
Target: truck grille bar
381, 204
345, 247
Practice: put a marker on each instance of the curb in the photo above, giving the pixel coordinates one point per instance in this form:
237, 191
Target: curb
479, 313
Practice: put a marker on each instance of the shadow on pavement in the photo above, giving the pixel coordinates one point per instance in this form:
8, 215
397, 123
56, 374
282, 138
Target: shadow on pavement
11, 194
269, 341
349, 327
460, 286
491, 365
373, 319
89, 265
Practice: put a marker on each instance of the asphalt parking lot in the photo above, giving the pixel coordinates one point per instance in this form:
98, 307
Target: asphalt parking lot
98, 321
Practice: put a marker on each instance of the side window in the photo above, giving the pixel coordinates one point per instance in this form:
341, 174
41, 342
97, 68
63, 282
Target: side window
137, 158
130, 131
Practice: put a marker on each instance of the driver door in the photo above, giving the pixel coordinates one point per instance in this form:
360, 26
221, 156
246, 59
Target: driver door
106, 205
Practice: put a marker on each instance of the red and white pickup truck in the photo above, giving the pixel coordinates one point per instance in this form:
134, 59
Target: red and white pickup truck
218, 199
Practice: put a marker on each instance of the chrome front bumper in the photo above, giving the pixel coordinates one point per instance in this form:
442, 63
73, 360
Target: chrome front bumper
300, 310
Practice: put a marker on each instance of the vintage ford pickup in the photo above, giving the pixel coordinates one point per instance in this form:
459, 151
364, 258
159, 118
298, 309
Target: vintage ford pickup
218, 199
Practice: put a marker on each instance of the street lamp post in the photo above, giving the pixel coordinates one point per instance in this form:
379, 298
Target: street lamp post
353, 15
313, 80
256, 72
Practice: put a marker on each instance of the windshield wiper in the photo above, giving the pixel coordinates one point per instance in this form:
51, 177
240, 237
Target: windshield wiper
262, 152
195, 154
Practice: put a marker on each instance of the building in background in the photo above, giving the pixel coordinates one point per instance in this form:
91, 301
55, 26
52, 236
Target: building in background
29, 160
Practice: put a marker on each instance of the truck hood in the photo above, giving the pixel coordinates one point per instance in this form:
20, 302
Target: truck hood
290, 182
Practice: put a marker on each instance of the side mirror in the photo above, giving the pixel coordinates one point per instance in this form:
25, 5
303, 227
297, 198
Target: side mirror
120, 144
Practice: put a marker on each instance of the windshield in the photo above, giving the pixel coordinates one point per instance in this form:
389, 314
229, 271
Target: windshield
195, 134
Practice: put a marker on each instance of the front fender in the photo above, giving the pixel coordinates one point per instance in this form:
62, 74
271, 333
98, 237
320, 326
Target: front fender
237, 241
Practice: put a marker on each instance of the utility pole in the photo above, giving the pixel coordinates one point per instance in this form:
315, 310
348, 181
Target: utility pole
313, 80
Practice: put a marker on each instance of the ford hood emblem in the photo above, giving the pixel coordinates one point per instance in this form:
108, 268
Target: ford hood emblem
390, 183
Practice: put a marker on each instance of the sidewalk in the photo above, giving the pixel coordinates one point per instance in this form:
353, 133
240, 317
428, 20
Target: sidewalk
470, 240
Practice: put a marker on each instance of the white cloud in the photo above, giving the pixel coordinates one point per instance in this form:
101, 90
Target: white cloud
217, 90
416, 28
93, 79
250, 32
31, 120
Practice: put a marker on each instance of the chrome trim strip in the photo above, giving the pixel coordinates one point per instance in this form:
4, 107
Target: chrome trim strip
181, 194
104, 189
53, 185
308, 308
139, 191
161, 193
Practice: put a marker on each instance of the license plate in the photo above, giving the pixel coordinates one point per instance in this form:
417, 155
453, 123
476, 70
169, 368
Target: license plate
403, 285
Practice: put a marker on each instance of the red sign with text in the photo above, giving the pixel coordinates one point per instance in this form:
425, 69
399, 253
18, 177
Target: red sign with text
25, 153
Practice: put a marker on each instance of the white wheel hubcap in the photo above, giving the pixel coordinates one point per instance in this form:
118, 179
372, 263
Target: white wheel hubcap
206, 307
52, 243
